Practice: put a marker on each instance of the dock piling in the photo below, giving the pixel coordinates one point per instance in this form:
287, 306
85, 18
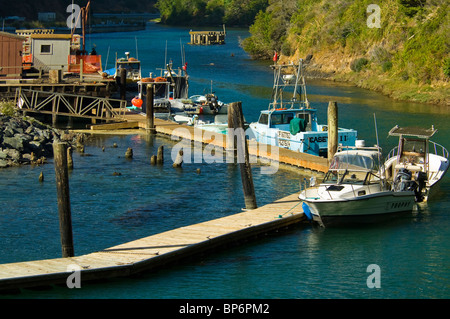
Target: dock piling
237, 118
160, 155
150, 124
123, 83
63, 194
179, 160
332, 129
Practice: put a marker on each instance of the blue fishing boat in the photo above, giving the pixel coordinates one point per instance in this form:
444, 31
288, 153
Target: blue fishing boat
290, 122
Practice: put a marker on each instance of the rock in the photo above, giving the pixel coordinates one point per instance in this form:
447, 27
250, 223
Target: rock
13, 154
25, 140
13, 142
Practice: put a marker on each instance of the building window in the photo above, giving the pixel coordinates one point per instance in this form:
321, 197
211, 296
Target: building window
46, 49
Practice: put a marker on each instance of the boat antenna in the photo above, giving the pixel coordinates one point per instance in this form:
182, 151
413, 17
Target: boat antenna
381, 168
137, 54
376, 130
107, 57
165, 56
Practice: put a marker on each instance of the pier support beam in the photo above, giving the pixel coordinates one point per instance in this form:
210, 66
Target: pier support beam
123, 84
237, 119
332, 129
63, 194
150, 124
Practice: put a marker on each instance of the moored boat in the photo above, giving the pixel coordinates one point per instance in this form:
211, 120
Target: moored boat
289, 121
355, 190
426, 161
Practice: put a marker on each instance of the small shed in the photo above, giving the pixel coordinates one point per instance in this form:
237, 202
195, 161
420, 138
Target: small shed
50, 51
10, 55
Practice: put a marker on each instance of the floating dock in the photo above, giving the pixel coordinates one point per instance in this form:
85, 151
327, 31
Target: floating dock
271, 153
155, 251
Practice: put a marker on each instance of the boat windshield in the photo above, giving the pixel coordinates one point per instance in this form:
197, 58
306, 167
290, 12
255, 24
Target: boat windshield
366, 161
129, 65
351, 177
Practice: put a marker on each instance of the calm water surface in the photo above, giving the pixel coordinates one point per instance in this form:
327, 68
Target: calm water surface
412, 251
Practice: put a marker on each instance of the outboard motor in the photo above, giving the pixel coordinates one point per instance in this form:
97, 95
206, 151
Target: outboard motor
403, 181
421, 179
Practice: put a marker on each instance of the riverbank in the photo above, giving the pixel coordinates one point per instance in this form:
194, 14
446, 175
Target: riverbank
26, 141
434, 94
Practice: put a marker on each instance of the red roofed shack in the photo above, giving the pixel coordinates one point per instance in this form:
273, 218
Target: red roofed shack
10, 55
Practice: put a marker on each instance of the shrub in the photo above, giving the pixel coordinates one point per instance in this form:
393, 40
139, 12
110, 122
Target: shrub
358, 64
447, 67
386, 66
7, 108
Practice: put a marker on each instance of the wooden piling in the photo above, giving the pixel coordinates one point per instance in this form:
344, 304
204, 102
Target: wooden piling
129, 153
69, 158
123, 83
332, 129
160, 155
150, 124
243, 156
63, 195
179, 160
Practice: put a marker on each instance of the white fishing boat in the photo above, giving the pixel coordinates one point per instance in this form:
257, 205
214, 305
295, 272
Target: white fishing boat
132, 67
355, 190
289, 121
426, 161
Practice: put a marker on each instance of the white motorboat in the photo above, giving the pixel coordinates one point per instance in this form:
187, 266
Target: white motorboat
206, 104
290, 122
354, 190
426, 161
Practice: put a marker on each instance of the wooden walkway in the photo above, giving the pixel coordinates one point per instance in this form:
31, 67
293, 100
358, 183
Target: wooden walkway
155, 251
273, 153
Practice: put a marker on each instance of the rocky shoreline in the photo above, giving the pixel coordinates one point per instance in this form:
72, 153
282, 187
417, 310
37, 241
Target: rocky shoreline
24, 140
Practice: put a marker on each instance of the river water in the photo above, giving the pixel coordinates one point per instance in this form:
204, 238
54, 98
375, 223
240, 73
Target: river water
411, 251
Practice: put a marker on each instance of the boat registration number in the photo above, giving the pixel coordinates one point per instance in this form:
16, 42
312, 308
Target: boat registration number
283, 138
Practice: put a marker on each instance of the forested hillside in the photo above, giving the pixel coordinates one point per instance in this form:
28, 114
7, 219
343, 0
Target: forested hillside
30, 8
210, 12
406, 57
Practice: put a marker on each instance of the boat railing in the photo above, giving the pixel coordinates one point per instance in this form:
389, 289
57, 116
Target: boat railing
435, 148
392, 153
439, 149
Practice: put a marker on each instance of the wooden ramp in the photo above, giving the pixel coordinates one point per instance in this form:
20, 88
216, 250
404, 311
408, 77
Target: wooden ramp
157, 250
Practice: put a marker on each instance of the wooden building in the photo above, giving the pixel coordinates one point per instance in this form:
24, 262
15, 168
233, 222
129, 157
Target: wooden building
10, 55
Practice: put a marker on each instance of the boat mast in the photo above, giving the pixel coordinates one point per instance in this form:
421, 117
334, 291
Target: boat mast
289, 75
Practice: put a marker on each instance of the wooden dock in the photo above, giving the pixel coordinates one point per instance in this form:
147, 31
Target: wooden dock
172, 246
207, 37
272, 153
155, 251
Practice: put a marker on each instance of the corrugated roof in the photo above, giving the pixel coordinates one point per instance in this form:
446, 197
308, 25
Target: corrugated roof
412, 131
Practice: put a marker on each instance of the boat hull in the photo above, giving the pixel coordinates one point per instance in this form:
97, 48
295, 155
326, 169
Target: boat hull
311, 142
363, 209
